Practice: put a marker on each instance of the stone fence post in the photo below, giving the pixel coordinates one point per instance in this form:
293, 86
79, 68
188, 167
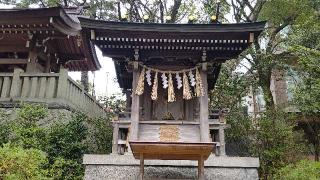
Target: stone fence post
16, 83
62, 83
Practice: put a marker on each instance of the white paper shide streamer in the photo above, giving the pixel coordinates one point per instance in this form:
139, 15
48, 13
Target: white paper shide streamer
148, 77
192, 79
179, 81
164, 80
185, 79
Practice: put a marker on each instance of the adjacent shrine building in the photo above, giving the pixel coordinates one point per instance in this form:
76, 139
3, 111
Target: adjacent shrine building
38, 47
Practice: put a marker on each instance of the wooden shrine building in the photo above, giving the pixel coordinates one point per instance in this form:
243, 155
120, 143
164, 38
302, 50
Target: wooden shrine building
166, 70
38, 47
40, 40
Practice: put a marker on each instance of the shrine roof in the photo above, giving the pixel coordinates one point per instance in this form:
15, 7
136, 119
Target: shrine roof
171, 27
168, 46
57, 31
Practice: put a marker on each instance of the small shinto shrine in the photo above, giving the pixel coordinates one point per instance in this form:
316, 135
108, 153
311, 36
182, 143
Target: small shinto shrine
166, 71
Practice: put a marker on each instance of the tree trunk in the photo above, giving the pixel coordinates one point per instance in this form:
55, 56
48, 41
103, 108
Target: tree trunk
316, 151
265, 82
85, 80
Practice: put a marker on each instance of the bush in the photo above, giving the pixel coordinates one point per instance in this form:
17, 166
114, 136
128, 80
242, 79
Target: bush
19, 163
100, 138
275, 143
5, 128
63, 142
66, 140
4, 133
30, 114
239, 135
305, 169
66, 169
26, 132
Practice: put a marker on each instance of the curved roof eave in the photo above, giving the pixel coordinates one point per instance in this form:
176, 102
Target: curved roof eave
169, 27
54, 15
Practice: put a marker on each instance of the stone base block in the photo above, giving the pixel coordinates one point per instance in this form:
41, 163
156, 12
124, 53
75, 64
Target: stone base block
125, 167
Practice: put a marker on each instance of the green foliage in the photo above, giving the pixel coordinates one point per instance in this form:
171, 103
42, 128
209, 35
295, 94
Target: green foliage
306, 97
278, 12
302, 170
5, 128
230, 88
307, 91
113, 104
26, 133
63, 169
4, 133
275, 142
29, 137
19, 163
238, 137
210, 9
66, 140
30, 114
100, 130
62, 142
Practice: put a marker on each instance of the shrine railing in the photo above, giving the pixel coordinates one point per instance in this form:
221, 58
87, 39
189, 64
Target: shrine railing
55, 89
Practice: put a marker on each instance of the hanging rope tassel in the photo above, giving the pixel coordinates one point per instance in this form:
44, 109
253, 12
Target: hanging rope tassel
186, 88
199, 85
154, 93
171, 95
140, 85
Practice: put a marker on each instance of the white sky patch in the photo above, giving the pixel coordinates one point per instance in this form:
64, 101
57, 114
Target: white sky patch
104, 79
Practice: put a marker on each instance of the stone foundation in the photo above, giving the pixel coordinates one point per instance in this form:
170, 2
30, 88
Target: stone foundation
125, 167
54, 116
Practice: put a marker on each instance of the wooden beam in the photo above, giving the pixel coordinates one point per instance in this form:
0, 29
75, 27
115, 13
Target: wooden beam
13, 61
13, 48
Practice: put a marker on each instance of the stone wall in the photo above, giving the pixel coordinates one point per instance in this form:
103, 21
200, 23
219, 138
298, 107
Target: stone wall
125, 167
117, 172
54, 115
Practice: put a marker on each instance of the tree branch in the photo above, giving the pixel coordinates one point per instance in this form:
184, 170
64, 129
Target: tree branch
174, 10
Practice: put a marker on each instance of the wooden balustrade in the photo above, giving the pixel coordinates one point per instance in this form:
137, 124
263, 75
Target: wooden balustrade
52, 88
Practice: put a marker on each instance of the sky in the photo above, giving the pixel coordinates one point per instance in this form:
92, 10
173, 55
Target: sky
104, 79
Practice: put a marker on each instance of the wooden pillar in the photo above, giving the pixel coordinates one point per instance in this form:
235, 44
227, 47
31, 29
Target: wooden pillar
128, 102
115, 137
141, 172
48, 63
204, 112
135, 105
201, 168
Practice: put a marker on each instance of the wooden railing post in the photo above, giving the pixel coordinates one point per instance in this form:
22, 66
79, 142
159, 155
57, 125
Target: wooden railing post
62, 83
16, 83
